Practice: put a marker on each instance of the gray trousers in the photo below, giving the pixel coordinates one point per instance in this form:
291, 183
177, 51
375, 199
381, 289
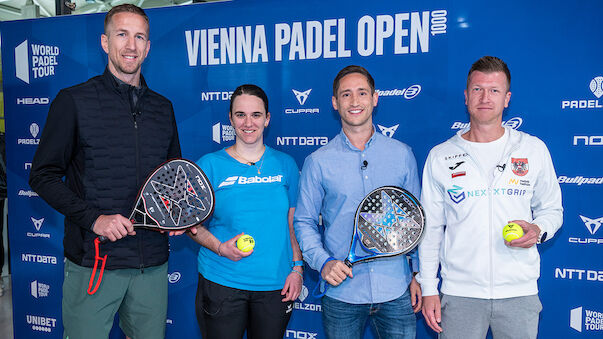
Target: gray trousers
470, 318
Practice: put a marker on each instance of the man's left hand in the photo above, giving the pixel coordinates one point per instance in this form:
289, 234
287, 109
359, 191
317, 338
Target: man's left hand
293, 286
416, 297
193, 231
530, 235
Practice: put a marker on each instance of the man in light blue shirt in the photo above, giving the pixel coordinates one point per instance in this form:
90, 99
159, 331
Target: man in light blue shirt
334, 180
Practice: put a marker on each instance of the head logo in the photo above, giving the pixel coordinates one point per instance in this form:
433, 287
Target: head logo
592, 225
519, 166
303, 294
43, 61
456, 194
174, 277
222, 133
302, 96
388, 131
37, 223
596, 86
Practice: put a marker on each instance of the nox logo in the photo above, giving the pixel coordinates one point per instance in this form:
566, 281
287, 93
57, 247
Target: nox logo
596, 86
300, 334
39, 290
222, 133
593, 140
456, 194
37, 223
302, 96
592, 225
43, 61
388, 131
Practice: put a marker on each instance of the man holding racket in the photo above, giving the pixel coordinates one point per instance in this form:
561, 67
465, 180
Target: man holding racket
473, 185
334, 180
105, 136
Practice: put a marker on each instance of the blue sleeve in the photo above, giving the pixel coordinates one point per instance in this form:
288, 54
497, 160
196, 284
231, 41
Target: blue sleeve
293, 180
305, 221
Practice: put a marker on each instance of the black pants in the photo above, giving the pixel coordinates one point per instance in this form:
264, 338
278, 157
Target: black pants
225, 313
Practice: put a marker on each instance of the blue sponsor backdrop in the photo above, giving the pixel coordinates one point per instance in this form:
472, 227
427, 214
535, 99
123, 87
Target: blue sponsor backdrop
419, 55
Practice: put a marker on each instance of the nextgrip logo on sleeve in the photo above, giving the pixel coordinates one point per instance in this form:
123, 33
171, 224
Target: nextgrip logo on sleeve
38, 62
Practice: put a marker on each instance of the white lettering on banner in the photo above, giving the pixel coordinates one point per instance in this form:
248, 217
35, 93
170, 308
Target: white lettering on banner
43, 60
307, 307
593, 140
580, 180
42, 324
27, 193
596, 87
588, 320
302, 141
33, 101
578, 274
250, 180
300, 334
400, 33
217, 96
37, 258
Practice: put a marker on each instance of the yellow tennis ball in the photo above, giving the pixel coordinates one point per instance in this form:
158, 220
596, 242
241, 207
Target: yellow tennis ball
245, 243
512, 231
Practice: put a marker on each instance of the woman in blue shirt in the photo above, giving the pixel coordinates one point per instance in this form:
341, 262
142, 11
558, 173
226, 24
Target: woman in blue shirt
256, 191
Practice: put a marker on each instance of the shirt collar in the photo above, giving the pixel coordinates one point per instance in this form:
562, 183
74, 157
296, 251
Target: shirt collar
348, 143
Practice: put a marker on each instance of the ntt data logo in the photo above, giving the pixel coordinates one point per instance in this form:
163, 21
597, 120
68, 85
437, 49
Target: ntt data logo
578, 274
586, 320
216, 96
40, 323
39, 290
407, 93
38, 258
596, 87
35, 63
513, 123
302, 141
221, 132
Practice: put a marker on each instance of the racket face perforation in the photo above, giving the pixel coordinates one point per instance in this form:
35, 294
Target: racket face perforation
389, 221
176, 195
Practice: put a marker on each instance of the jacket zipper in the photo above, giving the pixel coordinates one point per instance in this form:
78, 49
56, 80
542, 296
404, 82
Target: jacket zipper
136, 136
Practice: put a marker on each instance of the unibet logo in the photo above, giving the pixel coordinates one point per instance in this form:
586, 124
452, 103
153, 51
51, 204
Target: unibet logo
43, 61
42, 324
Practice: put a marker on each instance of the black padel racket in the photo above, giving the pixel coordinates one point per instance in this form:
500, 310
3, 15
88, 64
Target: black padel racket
389, 221
176, 196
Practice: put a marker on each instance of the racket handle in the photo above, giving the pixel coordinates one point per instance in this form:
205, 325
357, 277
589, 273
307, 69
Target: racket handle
103, 239
348, 263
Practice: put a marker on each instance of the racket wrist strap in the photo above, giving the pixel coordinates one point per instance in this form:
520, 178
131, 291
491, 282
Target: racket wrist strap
92, 284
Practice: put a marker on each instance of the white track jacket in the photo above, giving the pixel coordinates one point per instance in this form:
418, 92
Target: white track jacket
465, 216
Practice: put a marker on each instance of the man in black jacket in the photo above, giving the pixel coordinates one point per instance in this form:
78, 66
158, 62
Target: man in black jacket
105, 136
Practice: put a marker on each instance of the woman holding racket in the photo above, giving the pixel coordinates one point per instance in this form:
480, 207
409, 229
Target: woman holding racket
256, 191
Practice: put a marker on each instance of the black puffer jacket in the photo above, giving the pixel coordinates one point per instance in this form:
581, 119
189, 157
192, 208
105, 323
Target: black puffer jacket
105, 147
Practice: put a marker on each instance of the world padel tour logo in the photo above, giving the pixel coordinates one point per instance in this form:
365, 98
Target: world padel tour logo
39, 290
582, 319
513, 123
221, 132
596, 87
35, 61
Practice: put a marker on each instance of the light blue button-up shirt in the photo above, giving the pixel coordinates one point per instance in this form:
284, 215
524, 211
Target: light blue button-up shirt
333, 182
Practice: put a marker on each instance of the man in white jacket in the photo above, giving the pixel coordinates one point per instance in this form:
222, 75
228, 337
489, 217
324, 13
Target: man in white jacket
473, 185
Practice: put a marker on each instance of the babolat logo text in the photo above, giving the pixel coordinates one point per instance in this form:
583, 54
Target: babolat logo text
39, 290
300, 334
222, 133
596, 87
34, 129
587, 320
407, 93
37, 258
302, 141
43, 59
33, 101
42, 324
580, 180
251, 180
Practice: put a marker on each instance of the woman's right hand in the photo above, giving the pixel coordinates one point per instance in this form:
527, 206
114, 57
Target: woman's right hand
229, 249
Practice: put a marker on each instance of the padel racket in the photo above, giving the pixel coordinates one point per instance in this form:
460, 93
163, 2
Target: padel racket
389, 221
177, 195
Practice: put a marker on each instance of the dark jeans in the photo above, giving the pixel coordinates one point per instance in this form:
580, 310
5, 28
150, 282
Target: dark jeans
393, 319
225, 313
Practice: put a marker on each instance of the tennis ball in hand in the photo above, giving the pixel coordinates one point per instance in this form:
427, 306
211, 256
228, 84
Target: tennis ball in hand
512, 231
245, 243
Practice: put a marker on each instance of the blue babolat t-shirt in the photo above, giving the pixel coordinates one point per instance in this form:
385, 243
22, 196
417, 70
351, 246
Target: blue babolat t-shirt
257, 204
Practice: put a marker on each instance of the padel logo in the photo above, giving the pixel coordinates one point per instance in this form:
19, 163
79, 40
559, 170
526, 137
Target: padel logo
39, 290
580, 180
250, 180
34, 129
174, 277
222, 132
513, 123
301, 97
388, 131
596, 87
37, 223
302, 141
408, 93
41, 324
43, 59
586, 320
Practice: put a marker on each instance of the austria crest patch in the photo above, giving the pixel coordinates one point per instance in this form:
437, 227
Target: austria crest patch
520, 166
